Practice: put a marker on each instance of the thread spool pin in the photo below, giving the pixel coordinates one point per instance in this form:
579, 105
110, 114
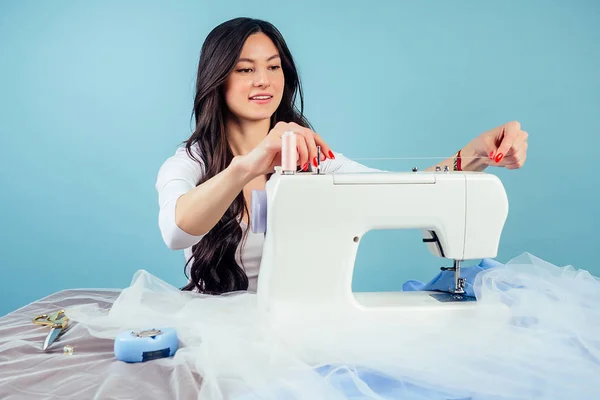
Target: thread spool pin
318, 160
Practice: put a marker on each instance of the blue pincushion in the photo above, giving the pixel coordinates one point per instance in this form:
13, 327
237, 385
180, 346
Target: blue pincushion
146, 344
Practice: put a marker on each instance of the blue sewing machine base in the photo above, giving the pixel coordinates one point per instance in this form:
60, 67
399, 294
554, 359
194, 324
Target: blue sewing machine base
146, 345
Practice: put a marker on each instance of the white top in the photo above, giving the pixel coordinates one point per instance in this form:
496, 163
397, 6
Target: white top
180, 173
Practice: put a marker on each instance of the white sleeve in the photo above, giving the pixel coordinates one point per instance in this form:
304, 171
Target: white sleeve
178, 175
343, 164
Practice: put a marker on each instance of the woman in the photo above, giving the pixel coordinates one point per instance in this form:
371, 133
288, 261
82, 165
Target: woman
246, 89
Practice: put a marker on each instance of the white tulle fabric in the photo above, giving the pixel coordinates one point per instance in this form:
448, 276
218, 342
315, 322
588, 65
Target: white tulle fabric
549, 349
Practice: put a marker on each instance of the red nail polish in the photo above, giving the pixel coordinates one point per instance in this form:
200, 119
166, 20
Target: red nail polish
499, 157
315, 163
491, 155
305, 167
331, 155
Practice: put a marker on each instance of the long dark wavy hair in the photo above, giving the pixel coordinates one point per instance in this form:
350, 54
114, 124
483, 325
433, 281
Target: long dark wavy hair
214, 269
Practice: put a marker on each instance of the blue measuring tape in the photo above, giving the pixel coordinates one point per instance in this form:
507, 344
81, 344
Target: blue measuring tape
146, 345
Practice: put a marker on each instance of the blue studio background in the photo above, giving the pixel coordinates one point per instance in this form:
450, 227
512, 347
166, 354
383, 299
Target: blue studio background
95, 95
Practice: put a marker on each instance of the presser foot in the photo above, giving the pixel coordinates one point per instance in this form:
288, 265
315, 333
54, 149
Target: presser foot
459, 283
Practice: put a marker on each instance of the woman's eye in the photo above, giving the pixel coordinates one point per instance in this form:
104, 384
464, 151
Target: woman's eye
248, 70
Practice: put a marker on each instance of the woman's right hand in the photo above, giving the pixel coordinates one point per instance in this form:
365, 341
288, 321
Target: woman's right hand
263, 159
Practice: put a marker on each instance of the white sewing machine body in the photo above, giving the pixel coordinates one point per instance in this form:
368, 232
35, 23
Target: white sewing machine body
314, 224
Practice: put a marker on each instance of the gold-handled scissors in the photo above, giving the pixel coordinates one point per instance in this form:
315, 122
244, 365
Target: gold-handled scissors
57, 321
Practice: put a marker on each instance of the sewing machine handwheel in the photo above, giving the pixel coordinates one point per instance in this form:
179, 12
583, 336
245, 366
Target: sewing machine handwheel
258, 211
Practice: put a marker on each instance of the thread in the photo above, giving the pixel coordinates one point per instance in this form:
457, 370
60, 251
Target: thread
413, 158
289, 154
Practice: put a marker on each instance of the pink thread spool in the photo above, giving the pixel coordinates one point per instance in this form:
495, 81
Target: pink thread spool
289, 154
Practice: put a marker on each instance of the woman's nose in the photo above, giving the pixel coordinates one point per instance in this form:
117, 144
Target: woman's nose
261, 78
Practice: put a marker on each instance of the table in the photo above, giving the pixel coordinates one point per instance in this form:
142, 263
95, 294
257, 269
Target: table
91, 372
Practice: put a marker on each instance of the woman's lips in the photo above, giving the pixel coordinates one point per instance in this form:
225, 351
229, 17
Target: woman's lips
261, 98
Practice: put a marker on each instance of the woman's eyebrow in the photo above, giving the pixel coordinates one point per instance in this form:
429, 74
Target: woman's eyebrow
251, 60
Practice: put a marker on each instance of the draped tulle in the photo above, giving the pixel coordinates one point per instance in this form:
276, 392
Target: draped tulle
548, 349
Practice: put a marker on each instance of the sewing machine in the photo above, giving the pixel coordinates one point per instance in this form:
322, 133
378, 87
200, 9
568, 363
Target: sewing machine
313, 224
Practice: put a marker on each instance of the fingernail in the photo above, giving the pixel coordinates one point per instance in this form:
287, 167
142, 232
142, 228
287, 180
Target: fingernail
491, 155
499, 157
315, 162
305, 167
331, 155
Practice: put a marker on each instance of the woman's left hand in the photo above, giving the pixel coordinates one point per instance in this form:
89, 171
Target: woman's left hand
504, 146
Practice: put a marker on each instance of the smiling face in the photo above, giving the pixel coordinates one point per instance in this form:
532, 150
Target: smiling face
254, 88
